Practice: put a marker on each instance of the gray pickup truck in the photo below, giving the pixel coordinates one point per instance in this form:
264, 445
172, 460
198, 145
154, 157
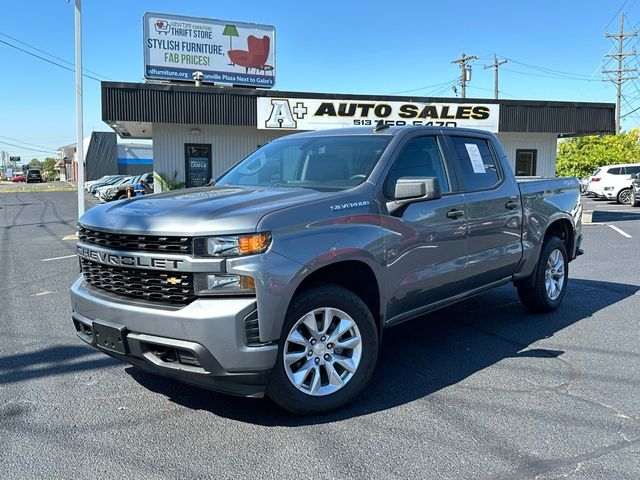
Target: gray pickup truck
281, 278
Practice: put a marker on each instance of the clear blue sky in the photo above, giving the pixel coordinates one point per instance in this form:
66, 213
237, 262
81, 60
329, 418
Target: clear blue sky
373, 47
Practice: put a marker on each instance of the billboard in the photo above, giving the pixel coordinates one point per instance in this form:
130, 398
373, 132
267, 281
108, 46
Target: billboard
318, 113
176, 47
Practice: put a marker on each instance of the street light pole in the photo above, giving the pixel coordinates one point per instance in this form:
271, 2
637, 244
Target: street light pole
79, 132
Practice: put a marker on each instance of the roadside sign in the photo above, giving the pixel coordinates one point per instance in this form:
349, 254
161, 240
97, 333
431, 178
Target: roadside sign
176, 47
14, 159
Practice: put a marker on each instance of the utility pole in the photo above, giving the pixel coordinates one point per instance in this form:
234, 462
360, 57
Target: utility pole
495, 65
465, 72
79, 133
619, 77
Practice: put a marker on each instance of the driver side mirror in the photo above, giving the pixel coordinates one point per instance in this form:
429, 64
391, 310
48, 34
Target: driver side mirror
413, 189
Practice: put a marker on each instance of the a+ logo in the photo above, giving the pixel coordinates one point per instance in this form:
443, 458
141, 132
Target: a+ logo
300, 110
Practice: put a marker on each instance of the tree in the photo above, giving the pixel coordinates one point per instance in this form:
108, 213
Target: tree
581, 156
49, 165
35, 163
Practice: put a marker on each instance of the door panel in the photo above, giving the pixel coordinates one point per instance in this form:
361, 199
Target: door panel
426, 254
492, 201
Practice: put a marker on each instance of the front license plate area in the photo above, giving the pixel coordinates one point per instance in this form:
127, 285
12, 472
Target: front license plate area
110, 336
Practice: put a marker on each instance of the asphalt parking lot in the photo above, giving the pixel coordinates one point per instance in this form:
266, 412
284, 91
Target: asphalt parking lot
482, 389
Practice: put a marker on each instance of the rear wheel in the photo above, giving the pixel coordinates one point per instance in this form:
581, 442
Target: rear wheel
550, 278
327, 352
624, 196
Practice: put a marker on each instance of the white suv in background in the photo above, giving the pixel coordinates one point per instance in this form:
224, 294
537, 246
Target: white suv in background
613, 182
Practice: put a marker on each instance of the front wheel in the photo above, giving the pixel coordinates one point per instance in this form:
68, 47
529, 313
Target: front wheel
327, 352
635, 201
550, 278
624, 197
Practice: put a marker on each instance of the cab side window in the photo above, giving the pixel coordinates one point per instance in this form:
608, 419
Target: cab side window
479, 168
420, 157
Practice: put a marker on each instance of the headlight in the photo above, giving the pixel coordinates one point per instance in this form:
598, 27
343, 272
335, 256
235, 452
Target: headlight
232, 245
209, 284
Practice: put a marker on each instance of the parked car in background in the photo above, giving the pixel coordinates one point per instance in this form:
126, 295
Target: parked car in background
100, 190
613, 182
19, 178
635, 191
34, 176
119, 191
584, 183
90, 183
112, 180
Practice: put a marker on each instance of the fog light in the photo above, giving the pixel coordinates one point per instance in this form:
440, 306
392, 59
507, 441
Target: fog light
223, 284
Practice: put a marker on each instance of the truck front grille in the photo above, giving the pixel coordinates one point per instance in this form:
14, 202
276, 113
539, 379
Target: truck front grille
146, 243
153, 285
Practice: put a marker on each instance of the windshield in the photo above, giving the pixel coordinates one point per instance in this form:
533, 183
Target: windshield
112, 180
326, 163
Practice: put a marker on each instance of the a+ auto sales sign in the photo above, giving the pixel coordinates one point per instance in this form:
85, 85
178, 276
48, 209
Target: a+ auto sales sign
317, 114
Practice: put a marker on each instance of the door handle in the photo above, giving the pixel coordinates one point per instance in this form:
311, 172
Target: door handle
511, 205
455, 213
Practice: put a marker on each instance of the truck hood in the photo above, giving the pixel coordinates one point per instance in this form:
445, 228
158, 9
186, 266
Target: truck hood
197, 211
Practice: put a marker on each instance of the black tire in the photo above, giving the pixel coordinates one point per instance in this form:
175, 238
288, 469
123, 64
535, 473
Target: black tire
635, 201
622, 195
535, 297
280, 389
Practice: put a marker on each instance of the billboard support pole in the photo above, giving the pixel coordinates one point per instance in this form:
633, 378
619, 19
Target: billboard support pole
79, 120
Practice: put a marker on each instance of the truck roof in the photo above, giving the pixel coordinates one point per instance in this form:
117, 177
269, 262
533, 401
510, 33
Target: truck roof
391, 131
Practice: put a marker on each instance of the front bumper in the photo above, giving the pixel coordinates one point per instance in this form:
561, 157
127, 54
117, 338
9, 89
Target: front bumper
202, 343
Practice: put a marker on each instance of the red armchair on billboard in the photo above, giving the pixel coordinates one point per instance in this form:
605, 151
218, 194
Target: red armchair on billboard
255, 56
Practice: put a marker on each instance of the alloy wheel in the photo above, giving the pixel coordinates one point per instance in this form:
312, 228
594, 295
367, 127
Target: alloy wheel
554, 274
322, 351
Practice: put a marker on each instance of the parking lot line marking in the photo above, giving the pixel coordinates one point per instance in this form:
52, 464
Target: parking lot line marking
39, 294
58, 258
621, 232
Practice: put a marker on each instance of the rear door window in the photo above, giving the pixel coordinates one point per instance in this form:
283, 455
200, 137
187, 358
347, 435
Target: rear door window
478, 167
614, 171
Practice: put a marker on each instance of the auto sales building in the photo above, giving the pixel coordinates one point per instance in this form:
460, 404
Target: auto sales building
199, 132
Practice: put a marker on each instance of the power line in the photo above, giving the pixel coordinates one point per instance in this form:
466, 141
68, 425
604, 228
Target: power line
441, 91
489, 90
616, 14
555, 77
21, 147
51, 55
629, 113
547, 70
423, 88
47, 60
25, 143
